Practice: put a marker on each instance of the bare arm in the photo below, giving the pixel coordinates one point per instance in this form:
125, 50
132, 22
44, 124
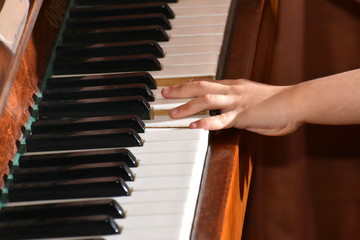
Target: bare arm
271, 110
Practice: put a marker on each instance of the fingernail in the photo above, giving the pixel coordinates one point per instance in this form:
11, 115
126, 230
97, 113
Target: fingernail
193, 125
165, 91
173, 112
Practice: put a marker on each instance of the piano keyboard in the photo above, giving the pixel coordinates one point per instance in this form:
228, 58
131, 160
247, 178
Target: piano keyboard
80, 177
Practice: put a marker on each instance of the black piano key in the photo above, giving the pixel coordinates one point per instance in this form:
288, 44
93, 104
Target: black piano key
86, 124
95, 107
118, 21
62, 227
67, 189
146, 62
62, 210
109, 49
94, 170
110, 2
102, 80
83, 140
122, 90
108, 35
123, 9
86, 157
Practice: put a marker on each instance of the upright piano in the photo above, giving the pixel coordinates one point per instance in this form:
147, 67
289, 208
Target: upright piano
76, 165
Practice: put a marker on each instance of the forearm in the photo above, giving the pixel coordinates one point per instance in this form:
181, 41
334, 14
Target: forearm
332, 100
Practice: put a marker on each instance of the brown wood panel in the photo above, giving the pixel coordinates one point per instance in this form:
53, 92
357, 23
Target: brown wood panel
27, 70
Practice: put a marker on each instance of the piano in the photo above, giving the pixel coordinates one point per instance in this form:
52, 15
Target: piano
197, 191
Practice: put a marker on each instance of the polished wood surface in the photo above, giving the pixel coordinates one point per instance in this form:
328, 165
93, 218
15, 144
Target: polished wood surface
25, 73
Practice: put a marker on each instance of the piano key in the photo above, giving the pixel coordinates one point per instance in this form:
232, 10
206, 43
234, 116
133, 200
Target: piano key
198, 21
214, 10
189, 71
63, 227
151, 171
63, 210
108, 35
68, 189
139, 89
185, 60
111, 106
170, 73
101, 80
198, 3
119, 21
167, 122
104, 64
191, 50
94, 170
111, 2
197, 31
83, 140
193, 41
109, 49
84, 157
137, 197
123, 9
87, 124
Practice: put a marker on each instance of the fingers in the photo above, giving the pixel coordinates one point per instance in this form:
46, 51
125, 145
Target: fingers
194, 89
206, 102
217, 122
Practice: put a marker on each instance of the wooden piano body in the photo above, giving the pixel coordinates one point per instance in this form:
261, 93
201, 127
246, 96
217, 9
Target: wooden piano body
226, 179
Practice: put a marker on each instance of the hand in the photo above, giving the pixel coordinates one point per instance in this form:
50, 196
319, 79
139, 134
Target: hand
244, 104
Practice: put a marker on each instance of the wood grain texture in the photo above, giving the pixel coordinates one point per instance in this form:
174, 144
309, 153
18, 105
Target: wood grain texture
26, 72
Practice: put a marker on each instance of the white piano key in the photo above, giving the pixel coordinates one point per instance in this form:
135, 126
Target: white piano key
159, 195
159, 183
166, 220
171, 146
201, 11
197, 3
167, 122
216, 30
155, 233
185, 71
184, 60
166, 104
191, 50
167, 72
161, 207
193, 41
149, 171
198, 21
166, 158
170, 134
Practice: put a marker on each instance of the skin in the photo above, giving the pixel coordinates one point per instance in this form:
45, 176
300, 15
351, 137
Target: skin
267, 109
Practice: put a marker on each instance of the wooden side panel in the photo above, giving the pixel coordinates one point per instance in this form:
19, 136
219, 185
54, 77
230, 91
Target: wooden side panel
30, 71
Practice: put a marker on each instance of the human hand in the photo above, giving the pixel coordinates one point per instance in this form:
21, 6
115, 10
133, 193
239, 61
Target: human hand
244, 104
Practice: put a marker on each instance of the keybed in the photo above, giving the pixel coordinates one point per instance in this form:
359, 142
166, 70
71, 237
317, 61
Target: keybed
164, 193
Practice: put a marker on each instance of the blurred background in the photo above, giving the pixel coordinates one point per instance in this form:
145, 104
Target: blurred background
307, 185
